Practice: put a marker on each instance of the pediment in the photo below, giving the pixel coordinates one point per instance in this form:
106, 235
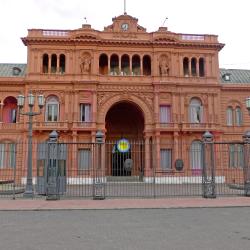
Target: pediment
124, 23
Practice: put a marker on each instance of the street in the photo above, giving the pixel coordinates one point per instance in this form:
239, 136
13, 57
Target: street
147, 229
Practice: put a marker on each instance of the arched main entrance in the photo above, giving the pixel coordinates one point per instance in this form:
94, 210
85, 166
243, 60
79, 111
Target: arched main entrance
124, 140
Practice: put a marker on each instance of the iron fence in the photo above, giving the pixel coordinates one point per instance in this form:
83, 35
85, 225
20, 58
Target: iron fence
96, 170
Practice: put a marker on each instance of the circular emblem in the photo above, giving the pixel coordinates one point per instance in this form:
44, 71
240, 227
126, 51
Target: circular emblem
123, 146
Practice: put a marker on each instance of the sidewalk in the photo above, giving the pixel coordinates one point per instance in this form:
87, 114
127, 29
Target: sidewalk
35, 205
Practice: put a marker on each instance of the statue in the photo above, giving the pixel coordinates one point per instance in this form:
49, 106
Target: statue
164, 68
85, 64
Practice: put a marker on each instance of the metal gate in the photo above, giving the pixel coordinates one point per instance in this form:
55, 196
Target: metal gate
127, 168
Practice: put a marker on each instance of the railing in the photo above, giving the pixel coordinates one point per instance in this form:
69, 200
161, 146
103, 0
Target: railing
199, 126
11, 126
83, 125
50, 125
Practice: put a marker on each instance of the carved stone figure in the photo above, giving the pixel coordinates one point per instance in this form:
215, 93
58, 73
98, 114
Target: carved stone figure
85, 64
164, 67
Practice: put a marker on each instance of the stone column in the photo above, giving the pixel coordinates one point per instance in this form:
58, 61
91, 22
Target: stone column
130, 65
176, 147
58, 64
108, 65
1, 111
94, 107
197, 68
141, 66
49, 64
120, 64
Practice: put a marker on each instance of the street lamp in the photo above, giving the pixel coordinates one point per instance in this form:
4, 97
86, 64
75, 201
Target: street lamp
29, 192
248, 104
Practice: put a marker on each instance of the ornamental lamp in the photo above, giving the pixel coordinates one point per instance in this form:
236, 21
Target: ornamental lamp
20, 101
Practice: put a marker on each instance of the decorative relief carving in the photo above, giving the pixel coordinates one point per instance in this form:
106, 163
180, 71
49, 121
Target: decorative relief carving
103, 97
122, 88
165, 96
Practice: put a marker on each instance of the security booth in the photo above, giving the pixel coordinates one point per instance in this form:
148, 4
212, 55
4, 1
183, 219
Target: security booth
51, 168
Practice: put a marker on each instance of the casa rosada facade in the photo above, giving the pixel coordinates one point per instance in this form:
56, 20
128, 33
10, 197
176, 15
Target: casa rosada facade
162, 88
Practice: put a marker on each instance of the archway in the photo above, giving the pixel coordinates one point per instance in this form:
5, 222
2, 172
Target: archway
124, 140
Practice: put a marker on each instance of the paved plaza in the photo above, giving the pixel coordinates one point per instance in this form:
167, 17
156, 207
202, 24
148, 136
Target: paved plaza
225, 228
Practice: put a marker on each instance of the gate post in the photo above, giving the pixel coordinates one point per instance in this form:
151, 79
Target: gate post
52, 167
246, 169
208, 170
98, 180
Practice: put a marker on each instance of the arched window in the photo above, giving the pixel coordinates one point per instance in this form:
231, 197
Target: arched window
146, 65
125, 65
9, 110
52, 109
238, 116
236, 157
195, 155
201, 67
53, 63
103, 64
186, 66
62, 62
114, 65
193, 66
229, 116
7, 155
195, 111
45, 63
136, 65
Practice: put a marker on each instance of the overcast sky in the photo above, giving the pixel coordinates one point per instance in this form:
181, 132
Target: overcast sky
228, 19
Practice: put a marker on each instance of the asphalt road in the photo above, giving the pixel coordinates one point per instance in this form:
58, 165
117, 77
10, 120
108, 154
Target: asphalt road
147, 229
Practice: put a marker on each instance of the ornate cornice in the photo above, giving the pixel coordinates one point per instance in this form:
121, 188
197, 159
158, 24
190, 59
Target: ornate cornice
94, 42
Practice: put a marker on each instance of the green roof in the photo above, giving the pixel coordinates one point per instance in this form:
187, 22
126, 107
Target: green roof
12, 69
232, 76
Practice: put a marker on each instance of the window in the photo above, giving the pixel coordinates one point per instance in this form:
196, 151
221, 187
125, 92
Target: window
52, 109
229, 116
84, 159
195, 111
125, 65
45, 63
9, 110
136, 65
103, 64
146, 62
166, 159
114, 65
186, 66
201, 67
193, 66
62, 63
165, 114
236, 156
238, 116
53, 63
84, 112
7, 155
196, 155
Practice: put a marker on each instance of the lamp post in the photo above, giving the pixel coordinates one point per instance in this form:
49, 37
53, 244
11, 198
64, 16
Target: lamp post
29, 192
248, 104
246, 139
